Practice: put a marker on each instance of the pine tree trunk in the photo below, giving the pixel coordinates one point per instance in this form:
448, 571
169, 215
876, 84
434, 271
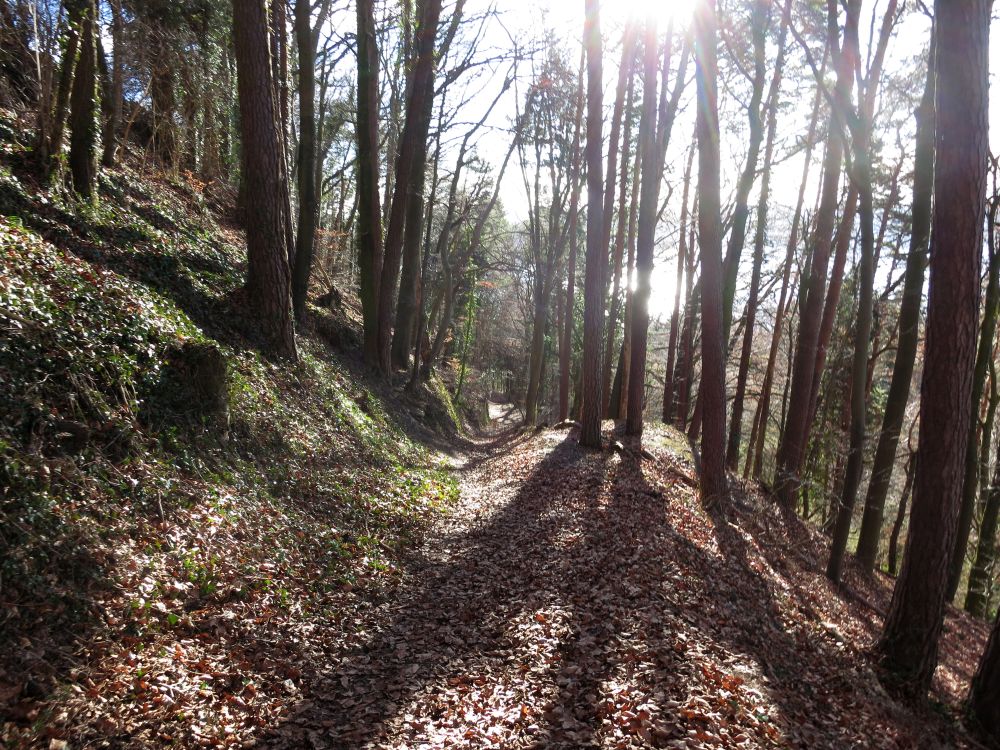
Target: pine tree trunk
909, 642
370, 249
897, 525
736, 419
268, 282
909, 328
669, 384
712, 389
984, 355
306, 162
650, 178
412, 140
982, 567
593, 293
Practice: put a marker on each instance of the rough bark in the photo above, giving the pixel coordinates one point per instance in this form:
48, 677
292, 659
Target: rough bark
306, 163
412, 141
370, 248
713, 375
593, 293
83, 108
793, 440
650, 178
760, 231
268, 283
909, 642
984, 355
909, 328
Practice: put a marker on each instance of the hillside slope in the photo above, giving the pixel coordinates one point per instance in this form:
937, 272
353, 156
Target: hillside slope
169, 499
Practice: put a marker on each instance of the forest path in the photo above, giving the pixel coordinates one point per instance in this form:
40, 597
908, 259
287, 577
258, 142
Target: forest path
583, 599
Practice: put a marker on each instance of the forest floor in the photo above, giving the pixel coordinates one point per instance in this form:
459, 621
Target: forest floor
579, 599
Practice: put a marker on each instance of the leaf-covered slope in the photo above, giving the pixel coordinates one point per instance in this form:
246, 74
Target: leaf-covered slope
140, 535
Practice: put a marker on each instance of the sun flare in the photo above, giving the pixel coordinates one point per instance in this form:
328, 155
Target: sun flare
664, 11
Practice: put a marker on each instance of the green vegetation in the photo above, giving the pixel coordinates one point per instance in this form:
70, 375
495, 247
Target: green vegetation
124, 508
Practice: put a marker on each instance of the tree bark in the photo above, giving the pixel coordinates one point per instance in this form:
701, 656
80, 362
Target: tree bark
897, 525
713, 365
758, 434
909, 642
909, 327
984, 355
306, 164
736, 420
650, 177
593, 293
982, 567
370, 248
793, 440
83, 108
669, 385
412, 141
268, 283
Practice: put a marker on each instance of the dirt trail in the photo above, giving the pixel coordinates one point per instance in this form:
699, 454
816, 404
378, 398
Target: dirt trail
580, 599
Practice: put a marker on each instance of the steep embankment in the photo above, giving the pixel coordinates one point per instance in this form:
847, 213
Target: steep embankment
178, 514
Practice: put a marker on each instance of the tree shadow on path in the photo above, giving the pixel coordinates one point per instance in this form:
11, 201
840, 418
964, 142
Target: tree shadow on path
592, 604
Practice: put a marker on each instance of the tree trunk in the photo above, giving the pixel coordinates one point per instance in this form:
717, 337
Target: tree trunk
268, 282
982, 567
984, 355
736, 420
412, 141
984, 695
370, 249
909, 642
117, 85
762, 414
306, 163
897, 525
909, 327
83, 108
795, 433
650, 177
713, 365
682, 250
566, 335
593, 293
618, 253
759, 22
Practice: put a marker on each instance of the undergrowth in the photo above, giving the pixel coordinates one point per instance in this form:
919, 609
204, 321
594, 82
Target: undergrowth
125, 522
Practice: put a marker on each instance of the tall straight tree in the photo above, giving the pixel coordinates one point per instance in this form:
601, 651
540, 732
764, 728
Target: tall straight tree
306, 39
409, 173
791, 449
713, 363
268, 276
370, 248
566, 334
909, 326
984, 357
861, 177
908, 646
649, 197
593, 283
771, 103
